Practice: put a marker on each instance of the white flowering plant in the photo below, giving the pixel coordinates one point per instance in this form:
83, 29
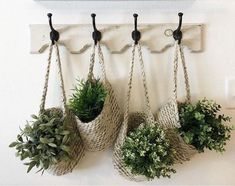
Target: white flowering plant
202, 126
146, 151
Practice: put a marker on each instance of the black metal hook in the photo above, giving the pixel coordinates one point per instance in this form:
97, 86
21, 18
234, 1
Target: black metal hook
177, 34
136, 35
96, 35
54, 35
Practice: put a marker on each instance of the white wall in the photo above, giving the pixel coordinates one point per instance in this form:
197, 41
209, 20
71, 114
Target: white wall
21, 80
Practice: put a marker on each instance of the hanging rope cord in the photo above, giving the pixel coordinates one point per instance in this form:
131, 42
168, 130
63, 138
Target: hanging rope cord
92, 62
45, 89
146, 95
179, 53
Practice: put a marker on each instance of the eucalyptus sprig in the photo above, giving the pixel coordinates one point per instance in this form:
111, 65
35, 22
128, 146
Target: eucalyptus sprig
202, 126
147, 152
44, 141
88, 99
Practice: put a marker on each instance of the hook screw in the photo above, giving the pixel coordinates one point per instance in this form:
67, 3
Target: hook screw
54, 35
96, 35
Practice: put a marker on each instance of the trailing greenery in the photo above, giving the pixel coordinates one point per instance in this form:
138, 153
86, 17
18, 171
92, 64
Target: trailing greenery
147, 152
88, 99
202, 126
43, 141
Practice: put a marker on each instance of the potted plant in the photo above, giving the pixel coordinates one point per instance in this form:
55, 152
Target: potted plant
88, 99
168, 115
142, 151
94, 104
202, 126
146, 151
51, 141
44, 141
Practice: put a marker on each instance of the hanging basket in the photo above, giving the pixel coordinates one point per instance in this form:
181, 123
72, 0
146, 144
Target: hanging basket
51, 142
131, 123
75, 143
101, 132
168, 115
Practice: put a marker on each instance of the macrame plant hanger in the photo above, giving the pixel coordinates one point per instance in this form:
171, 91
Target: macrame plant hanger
132, 120
101, 132
76, 145
168, 115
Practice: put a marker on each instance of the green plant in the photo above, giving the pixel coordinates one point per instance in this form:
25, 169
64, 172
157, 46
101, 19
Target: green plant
146, 151
44, 141
202, 126
88, 99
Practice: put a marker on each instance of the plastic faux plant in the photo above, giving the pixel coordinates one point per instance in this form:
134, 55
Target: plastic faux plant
44, 141
88, 99
147, 152
202, 126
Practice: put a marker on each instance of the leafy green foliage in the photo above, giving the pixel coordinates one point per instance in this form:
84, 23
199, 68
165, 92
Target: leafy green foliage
88, 99
202, 126
44, 141
147, 152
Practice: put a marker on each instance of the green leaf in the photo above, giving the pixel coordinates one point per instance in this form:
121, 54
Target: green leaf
65, 148
51, 140
13, 144
52, 121
58, 137
40, 146
24, 155
189, 137
46, 165
19, 137
65, 132
31, 165
65, 139
34, 116
52, 144
44, 140
40, 170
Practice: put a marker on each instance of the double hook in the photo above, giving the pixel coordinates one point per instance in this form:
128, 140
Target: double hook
136, 35
177, 34
54, 35
96, 35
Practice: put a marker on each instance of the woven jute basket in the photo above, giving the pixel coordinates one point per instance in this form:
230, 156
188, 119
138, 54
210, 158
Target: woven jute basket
75, 145
168, 115
132, 121
101, 132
